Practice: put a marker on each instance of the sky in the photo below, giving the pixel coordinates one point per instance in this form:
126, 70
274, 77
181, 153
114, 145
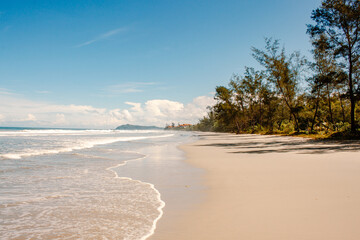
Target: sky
102, 63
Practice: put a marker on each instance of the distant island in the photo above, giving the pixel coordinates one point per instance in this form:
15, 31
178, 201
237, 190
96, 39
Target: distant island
137, 127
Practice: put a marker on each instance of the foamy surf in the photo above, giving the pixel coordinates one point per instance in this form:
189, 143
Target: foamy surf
82, 145
90, 193
162, 203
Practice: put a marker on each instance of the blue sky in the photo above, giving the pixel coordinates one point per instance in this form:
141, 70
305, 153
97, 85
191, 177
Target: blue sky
114, 54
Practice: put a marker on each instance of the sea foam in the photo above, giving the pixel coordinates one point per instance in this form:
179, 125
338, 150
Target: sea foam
77, 146
74, 196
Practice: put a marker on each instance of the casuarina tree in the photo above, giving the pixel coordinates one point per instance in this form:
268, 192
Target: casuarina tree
339, 22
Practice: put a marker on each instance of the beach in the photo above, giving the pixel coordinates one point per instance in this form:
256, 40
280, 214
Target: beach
269, 188
92, 184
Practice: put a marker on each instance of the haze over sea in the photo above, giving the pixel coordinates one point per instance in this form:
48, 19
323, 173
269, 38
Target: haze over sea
76, 184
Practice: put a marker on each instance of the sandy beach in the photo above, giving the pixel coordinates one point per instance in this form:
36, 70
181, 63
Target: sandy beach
270, 188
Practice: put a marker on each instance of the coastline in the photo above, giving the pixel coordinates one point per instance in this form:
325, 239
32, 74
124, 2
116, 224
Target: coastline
271, 187
180, 186
116, 190
162, 203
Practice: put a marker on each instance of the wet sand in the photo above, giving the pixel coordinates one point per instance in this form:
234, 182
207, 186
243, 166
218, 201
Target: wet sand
270, 187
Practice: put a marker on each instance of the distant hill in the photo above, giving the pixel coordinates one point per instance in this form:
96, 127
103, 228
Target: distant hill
137, 127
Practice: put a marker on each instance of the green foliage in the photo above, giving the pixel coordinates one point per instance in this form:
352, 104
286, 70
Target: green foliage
337, 31
272, 101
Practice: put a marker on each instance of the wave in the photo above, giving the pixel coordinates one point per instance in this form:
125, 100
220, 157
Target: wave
152, 186
83, 145
47, 132
32, 200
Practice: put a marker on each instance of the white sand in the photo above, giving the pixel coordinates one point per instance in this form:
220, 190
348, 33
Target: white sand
270, 187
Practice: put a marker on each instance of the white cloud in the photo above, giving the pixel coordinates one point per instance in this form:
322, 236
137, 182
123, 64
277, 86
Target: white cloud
60, 119
17, 111
29, 117
43, 92
103, 36
163, 108
5, 91
162, 111
129, 87
135, 106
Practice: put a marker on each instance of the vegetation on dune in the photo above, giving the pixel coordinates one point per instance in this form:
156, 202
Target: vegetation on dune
292, 95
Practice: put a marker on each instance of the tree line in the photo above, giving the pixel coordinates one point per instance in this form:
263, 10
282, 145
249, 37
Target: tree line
291, 93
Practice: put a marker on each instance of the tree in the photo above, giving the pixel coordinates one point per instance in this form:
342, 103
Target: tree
207, 123
225, 109
283, 73
339, 22
252, 96
327, 79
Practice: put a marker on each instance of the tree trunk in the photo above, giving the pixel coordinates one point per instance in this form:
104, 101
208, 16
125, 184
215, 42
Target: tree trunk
237, 125
260, 117
329, 104
290, 107
352, 99
342, 108
315, 114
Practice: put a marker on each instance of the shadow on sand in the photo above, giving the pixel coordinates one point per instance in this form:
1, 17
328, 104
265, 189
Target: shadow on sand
261, 144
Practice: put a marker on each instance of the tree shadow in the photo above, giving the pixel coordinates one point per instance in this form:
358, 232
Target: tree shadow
260, 144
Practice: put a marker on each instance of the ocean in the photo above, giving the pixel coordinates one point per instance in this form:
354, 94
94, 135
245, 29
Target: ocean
84, 184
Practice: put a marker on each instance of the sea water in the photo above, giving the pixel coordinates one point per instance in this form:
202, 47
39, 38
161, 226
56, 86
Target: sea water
76, 184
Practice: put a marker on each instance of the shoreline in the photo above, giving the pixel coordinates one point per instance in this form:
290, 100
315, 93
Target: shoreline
182, 197
152, 186
266, 187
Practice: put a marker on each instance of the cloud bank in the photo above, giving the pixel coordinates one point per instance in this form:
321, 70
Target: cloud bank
21, 112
